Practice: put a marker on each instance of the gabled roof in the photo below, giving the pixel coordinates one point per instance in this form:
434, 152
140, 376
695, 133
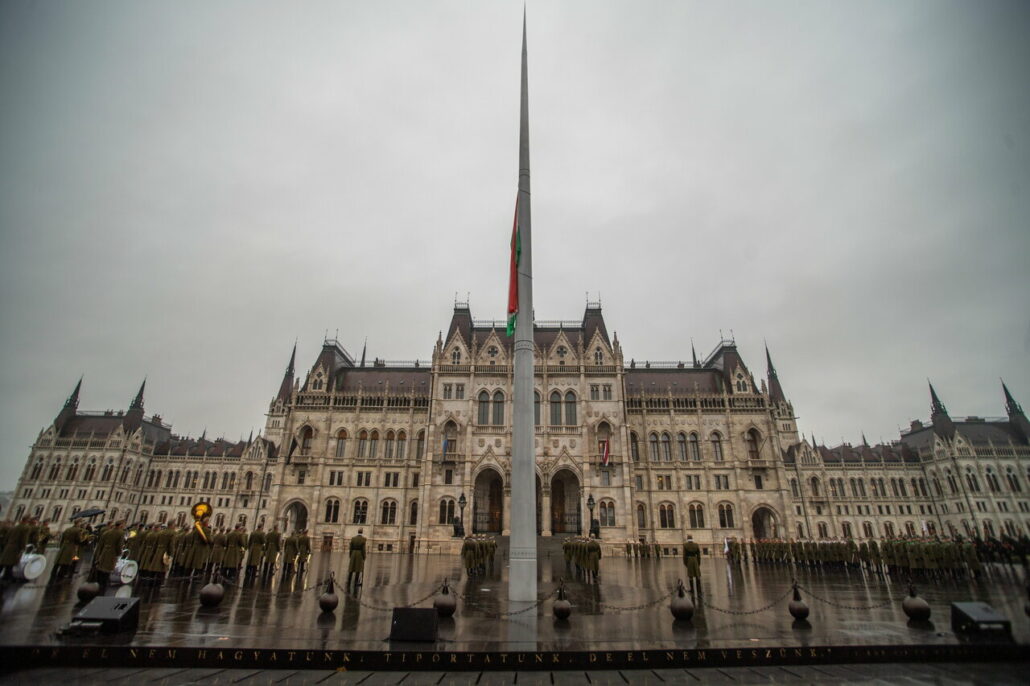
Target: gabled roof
400, 380
676, 381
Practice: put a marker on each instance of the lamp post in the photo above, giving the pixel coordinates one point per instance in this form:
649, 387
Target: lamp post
590, 506
462, 502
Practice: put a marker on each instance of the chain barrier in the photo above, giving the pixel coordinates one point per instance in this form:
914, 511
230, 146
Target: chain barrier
842, 606
636, 608
728, 611
502, 615
378, 608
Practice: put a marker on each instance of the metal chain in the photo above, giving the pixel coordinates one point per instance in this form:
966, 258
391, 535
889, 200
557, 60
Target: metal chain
636, 608
727, 611
378, 608
847, 607
501, 615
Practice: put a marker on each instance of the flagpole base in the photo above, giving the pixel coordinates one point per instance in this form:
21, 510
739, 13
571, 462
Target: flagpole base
522, 578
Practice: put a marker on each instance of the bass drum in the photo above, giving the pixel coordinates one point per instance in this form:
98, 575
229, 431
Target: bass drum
30, 567
124, 571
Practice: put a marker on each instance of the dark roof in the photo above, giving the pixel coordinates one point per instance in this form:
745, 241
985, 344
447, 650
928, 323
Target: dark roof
107, 424
178, 445
678, 381
544, 335
982, 433
399, 379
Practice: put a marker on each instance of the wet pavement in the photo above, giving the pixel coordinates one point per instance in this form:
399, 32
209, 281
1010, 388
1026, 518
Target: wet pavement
627, 610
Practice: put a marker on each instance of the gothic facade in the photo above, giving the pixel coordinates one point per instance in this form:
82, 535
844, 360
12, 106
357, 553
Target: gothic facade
655, 450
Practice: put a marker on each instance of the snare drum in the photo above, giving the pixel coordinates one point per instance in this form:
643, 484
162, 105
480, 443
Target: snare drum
124, 570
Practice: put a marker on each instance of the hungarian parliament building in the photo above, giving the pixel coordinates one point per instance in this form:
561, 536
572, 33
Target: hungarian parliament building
653, 451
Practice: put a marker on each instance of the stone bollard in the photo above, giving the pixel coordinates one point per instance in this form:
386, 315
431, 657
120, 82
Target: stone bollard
681, 607
445, 603
329, 600
798, 607
88, 591
915, 607
212, 594
562, 606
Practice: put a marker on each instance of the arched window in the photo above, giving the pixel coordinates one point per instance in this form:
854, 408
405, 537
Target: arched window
1013, 481
305, 440
225, 481
607, 513
55, 470
362, 443
833, 488
815, 486
696, 512
37, 469
388, 446
667, 516
726, 516
536, 408
641, 516
373, 444
652, 441
268, 483
867, 530
910, 528
249, 481
72, 471
450, 440
402, 445
498, 413
91, 470
972, 481
413, 513
634, 447
456, 356
483, 415
420, 445
751, 437
716, 447
232, 480
175, 481
992, 481
598, 356
695, 448
570, 409
824, 532
446, 511
105, 475
846, 529
952, 482
360, 511
207, 481
794, 491
388, 512
666, 448
341, 443
332, 511
555, 404
801, 530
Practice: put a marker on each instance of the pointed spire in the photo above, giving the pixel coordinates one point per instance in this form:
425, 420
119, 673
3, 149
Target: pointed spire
936, 406
693, 353
364, 347
864, 441
73, 399
250, 439
770, 369
776, 394
137, 402
1011, 406
286, 387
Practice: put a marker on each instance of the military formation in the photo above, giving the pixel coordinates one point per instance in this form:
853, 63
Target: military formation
583, 558
477, 554
930, 557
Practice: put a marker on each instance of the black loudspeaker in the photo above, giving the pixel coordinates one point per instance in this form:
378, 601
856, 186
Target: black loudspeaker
976, 617
413, 624
109, 614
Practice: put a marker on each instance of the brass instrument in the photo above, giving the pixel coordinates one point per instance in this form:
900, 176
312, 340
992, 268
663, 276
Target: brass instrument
200, 511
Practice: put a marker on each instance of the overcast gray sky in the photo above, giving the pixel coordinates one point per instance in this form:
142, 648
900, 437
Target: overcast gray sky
187, 187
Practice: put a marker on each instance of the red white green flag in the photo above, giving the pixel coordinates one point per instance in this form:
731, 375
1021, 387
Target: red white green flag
513, 276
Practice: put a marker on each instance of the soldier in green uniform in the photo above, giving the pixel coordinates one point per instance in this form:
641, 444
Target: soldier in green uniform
303, 550
468, 556
71, 539
255, 550
218, 543
289, 554
235, 541
14, 546
201, 546
109, 548
592, 550
356, 563
273, 542
692, 561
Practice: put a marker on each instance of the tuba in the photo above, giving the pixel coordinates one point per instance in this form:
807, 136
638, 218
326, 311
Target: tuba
200, 511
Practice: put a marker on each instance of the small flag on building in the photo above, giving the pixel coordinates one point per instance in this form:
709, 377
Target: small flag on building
605, 452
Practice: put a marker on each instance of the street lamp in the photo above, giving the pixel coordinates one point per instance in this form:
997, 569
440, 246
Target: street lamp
590, 506
462, 502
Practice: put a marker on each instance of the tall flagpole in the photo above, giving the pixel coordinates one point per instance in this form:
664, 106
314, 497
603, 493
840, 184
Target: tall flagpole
522, 557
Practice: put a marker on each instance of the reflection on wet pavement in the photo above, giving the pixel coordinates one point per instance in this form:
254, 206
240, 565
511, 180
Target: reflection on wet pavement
283, 612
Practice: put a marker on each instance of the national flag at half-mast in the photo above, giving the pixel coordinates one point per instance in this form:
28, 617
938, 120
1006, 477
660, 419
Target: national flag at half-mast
513, 276
605, 451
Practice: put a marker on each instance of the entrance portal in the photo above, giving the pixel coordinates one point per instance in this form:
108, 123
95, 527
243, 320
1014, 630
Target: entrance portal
565, 508
763, 523
296, 516
488, 503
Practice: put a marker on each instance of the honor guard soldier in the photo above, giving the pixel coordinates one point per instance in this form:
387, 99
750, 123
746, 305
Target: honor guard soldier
71, 540
303, 550
218, 549
234, 546
14, 546
692, 561
255, 550
108, 551
356, 564
273, 542
289, 553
